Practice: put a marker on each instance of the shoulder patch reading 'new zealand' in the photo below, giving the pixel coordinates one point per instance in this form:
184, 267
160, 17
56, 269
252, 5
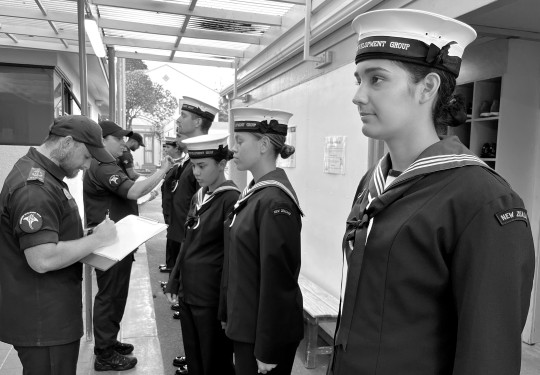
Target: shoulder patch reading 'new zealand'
507, 216
30, 222
113, 180
281, 211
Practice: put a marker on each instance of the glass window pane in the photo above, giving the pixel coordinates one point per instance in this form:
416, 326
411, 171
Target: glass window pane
58, 107
26, 104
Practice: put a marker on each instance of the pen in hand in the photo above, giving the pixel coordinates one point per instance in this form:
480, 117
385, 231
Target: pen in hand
107, 215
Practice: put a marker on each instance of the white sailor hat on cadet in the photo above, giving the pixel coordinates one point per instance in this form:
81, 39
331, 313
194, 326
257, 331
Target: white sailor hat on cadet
207, 146
260, 120
199, 108
413, 36
170, 141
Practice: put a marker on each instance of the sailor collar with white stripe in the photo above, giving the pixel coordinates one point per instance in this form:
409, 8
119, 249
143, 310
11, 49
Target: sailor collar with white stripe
184, 159
276, 178
202, 198
446, 154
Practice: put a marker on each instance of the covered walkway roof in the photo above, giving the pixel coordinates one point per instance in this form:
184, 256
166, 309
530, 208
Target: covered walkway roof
253, 36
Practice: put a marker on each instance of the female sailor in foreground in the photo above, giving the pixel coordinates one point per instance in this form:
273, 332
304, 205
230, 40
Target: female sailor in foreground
439, 248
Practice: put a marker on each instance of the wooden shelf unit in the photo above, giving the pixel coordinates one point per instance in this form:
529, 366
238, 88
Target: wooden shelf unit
478, 130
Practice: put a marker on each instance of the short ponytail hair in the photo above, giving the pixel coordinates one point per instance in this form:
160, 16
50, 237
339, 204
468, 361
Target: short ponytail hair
449, 109
278, 142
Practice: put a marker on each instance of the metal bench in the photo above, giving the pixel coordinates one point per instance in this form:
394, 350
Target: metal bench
319, 306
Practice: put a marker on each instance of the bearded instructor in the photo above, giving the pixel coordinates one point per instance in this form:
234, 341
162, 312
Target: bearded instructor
42, 241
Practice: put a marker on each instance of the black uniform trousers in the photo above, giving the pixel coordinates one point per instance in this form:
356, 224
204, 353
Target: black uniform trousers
110, 303
172, 248
49, 360
245, 362
208, 351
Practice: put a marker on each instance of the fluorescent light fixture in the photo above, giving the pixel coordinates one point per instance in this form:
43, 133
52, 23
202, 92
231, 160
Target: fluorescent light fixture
94, 35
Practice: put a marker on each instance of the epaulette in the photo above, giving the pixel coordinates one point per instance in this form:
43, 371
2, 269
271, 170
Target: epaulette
36, 175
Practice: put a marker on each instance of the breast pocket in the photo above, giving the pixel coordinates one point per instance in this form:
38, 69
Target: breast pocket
71, 225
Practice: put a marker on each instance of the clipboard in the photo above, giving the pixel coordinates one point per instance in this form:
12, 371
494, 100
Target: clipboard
132, 232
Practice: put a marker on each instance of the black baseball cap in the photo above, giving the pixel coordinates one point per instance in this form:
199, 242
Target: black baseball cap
84, 130
137, 137
111, 128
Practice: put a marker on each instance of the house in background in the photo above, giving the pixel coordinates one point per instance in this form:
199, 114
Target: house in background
146, 159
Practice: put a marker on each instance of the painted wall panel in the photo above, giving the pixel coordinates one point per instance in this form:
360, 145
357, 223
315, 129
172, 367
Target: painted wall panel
518, 146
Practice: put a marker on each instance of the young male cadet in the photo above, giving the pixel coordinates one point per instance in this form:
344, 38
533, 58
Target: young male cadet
171, 248
126, 159
108, 190
42, 242
195, 119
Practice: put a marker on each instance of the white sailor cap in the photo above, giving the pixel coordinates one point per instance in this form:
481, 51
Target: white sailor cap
260, 120
413, 36
199, 108
207, 146
170, 141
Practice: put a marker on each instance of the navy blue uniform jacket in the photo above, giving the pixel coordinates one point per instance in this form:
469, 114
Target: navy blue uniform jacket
263, 299
198, 269
166, 192
447, 272
181, 199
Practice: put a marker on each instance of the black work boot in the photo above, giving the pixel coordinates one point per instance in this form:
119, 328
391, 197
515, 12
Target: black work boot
114, 362
123, 348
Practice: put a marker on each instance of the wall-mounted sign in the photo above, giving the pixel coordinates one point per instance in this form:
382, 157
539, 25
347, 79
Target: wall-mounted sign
334, 154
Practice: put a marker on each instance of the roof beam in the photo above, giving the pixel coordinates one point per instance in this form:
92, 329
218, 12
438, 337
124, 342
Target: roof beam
505, 33
295, 2
173, 31
183, 28
170, 46
51, 23
38, 31
12, 38
30, 44
117, 41
179, 60
37, 15
131, 26
203, 12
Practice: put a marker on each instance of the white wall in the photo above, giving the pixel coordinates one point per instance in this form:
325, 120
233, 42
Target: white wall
518, 147
322, 107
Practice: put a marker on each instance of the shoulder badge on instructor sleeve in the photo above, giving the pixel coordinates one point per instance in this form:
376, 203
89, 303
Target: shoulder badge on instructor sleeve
30, 222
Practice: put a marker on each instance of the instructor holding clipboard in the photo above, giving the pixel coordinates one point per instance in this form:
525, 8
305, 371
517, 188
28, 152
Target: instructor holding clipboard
108, 190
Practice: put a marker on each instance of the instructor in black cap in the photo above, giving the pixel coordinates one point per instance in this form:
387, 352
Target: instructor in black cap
125, 160
108, 190
42, 242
